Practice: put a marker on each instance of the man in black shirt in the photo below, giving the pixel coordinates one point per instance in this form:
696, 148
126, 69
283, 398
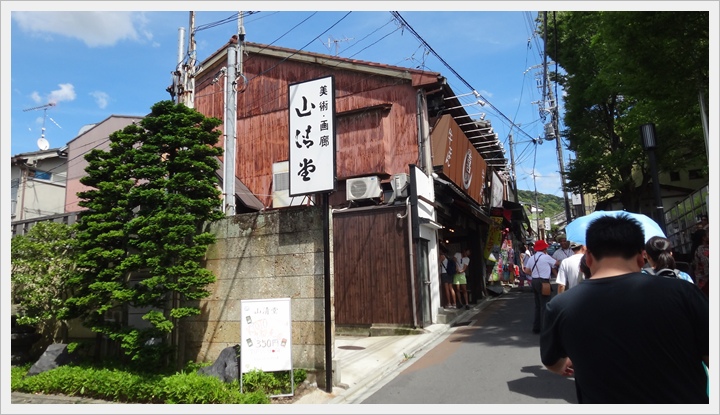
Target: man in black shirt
628, 337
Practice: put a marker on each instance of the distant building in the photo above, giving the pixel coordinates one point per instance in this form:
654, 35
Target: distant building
90, 137
38, 182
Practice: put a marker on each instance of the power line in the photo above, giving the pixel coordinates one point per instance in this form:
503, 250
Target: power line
451, 69
306, 45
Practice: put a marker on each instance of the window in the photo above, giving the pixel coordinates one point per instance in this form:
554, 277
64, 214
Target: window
40, 174
694, 174
674, 176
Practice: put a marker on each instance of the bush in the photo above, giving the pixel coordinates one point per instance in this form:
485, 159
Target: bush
119, 384
272, 383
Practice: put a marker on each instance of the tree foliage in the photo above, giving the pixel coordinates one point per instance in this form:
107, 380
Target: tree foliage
622, 70
42, 261
551, 205
141, 238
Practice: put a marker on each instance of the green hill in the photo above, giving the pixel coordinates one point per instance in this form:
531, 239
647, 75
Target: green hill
551, 205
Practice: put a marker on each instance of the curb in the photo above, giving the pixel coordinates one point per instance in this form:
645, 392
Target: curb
353, 393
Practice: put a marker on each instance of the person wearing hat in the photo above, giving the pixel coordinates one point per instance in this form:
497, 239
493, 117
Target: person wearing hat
539, 267
569, 272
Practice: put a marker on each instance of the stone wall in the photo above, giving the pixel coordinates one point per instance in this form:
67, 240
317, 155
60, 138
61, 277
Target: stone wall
273, 254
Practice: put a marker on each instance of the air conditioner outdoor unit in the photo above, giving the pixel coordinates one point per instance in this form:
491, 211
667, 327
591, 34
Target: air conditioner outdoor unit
363, 188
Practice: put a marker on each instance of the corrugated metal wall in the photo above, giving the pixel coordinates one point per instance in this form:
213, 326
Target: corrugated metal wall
372, 285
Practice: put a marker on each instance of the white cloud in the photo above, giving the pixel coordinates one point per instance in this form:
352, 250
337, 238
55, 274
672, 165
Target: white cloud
65, 93
101, 98
95, 28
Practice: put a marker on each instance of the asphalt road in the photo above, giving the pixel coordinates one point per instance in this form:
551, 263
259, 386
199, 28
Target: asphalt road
492, 358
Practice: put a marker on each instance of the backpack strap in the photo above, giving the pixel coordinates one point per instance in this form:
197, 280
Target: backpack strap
667, 272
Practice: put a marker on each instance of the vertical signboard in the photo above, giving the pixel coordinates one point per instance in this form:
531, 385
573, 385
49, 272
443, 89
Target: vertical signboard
266, 335
312, 136
461, 162
494, 236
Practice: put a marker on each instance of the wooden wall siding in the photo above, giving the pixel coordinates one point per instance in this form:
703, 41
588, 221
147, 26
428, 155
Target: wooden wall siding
376, 141
371, 282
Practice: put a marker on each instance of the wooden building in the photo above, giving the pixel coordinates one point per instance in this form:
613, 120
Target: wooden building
410, 172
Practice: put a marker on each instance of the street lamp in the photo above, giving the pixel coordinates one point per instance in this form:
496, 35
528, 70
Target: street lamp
647, 132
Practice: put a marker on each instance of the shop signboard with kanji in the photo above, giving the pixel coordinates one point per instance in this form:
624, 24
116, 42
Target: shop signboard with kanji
312, 136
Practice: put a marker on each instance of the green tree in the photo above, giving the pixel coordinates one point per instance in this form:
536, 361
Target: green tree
141, 238
42, 261
622, 70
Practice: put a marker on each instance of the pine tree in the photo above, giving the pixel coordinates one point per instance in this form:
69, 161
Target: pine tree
142, 236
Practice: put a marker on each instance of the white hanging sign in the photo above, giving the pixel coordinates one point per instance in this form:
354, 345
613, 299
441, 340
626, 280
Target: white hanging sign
312, 136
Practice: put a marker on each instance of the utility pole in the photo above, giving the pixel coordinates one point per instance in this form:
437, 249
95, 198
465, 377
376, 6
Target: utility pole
231, 121
179, 74
554, 122
512, 166
190, 73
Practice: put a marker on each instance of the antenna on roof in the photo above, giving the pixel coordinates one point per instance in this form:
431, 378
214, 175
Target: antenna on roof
42, 143
335, 41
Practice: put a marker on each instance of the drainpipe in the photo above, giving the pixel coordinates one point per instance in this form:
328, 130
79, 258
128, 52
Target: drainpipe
23, 179
412, 258
425, 152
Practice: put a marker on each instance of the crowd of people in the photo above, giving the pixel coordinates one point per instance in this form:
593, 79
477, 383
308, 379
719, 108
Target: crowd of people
626, 324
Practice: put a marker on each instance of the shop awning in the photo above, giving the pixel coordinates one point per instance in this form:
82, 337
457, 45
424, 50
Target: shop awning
463, 200
518, 217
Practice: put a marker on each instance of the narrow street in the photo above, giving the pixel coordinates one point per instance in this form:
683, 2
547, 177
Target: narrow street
492, 358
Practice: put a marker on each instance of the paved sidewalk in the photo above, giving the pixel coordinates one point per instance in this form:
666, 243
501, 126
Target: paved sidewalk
29, 398
363, 361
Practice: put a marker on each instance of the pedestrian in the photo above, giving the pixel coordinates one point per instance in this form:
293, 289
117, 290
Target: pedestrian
660, 261
563, 252
702, 263
523, 276
569, 274
628, 337
460, 279
447, 272
509, 265
539, 267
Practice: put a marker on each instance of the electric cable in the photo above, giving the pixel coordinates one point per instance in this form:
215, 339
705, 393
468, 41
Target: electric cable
488, 103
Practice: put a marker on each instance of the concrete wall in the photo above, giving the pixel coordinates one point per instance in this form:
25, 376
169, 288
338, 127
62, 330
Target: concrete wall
272, 254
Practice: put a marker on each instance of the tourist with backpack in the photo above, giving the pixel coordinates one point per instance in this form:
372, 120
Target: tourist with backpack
660, 261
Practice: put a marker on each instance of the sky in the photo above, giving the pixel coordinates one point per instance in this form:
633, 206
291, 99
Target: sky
93, 64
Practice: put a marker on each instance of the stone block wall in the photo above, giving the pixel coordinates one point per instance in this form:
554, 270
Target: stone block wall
273, 254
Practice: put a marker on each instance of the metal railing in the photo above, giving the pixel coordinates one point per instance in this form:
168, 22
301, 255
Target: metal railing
21, 227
